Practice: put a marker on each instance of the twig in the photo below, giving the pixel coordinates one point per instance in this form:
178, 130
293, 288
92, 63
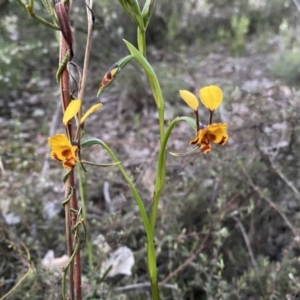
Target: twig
142, 285
107, 196
186, 262
248, 244
297, 3
53, 126
147, 164
70, 218
90, 18
29, 10
18, 283
284, 178
28, 262
2, 169
271, 203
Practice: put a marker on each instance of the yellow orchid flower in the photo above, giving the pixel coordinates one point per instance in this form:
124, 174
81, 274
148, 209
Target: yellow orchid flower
73, 109
62, 150
211, 97
215, 133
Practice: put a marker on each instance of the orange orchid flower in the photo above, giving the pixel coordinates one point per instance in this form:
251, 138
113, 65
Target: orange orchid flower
211, 97
215, 133
62, 150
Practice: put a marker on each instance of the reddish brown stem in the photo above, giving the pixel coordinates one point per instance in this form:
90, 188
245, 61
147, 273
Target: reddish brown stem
76, 262
75, 267
69, 239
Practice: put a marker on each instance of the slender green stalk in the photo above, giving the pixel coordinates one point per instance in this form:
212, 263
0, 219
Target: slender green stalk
31, 5
141, 39
161, 165
40, 19
139, 55
160, 174
63, 286
29, 9
22, 4
83, 205
152, 269
29, 271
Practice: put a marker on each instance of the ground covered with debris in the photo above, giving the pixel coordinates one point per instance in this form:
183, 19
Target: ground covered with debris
228, 220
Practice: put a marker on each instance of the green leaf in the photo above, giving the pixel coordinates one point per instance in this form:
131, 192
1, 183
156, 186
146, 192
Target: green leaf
132, 8
151, 249
137, 55
147, 12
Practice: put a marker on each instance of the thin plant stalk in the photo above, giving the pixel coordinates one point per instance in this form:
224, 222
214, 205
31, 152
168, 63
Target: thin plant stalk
151, 257
84, 215
64, 86
141, 37
30, 11
70, 217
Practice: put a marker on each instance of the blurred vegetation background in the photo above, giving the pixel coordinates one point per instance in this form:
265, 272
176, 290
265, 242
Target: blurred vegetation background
228, 222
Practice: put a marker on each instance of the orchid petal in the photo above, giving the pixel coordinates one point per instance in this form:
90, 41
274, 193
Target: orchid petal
71, 111
90, 111
190, 99
211, 97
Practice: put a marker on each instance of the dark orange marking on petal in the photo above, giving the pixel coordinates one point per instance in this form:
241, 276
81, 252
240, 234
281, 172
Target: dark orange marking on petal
69, 163
211, 137
56, 157
108, 76
66, 153
194, 141
205, 140
223, 141
205, 148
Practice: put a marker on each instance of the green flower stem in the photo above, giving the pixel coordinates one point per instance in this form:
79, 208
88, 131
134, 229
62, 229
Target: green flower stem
63, 286
152, 269
31, 5
141, 39
41, 20
160, 171
29, 9
139, 55
83, 205
22, 4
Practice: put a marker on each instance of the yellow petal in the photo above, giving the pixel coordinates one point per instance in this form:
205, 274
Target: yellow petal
58, 154
71, 111
91, 110
211, 96
201, 137
190, 99
59, 140
217, 133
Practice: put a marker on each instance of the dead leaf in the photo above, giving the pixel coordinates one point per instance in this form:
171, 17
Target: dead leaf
54, 264
120, 261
